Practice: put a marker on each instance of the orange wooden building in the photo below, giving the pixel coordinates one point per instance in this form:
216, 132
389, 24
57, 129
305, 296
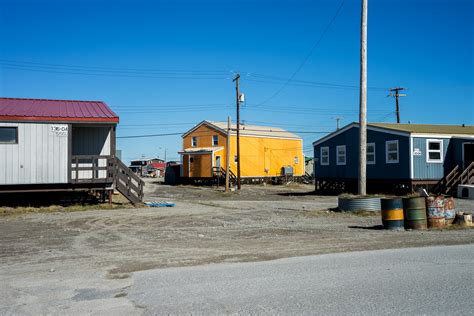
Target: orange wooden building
264, 151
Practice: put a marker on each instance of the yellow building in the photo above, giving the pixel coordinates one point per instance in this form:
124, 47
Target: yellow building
264, 151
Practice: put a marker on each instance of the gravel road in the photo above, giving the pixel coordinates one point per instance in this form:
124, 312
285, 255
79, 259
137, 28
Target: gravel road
426, 281
73, 262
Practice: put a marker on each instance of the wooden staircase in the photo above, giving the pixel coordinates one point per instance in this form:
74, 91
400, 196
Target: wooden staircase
449, 183
219, 174
127, 182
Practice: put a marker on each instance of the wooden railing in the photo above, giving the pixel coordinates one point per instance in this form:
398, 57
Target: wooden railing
108, 170
467, 176
128, 183
219, 172
448, 182
92, 169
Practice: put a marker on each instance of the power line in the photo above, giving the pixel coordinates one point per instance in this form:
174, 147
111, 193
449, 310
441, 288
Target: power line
206, 133
319, 84
150, 135
307, 56
111, 75
95, 68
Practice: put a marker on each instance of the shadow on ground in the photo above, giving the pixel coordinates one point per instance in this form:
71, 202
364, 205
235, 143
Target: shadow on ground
375, 227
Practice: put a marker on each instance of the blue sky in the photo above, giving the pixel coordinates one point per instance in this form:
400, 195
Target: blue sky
126, 52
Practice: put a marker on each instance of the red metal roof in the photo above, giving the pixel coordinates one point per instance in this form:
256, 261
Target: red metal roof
17, 109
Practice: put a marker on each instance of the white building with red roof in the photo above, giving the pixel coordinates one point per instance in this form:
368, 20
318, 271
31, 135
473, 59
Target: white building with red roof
61, 145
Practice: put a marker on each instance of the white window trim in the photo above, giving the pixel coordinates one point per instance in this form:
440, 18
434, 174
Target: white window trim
440, 141
337, 155
217, 142
192, 141
387, 143
375, 155
321, 154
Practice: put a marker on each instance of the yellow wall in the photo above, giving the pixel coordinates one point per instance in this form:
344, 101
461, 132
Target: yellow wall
260, 157
266, 156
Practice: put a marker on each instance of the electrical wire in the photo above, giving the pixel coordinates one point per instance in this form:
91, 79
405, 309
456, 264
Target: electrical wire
307, 56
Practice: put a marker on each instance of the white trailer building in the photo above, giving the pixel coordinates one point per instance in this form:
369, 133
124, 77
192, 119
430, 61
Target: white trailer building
56, 145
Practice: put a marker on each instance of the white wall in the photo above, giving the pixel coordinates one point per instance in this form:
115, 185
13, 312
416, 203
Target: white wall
39, 157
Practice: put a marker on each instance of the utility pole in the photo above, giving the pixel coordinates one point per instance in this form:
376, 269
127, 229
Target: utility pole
363, 101
338, 118
237, 94
227, 155
395, 92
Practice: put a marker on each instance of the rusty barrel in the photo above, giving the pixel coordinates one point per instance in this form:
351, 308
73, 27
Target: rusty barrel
392, 213
449, 210
414, 213
435, 211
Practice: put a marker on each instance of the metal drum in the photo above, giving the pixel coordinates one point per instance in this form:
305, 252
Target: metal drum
449, 210
392, 213
414, 213
435, 210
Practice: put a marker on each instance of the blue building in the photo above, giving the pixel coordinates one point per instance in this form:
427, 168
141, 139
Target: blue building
399, 156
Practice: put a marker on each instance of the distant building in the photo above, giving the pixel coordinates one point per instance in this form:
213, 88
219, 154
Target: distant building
309, 166
153, 167
265, 151
399, 156
59, 145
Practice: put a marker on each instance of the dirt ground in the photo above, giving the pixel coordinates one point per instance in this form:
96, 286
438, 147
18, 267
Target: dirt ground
100, 248
206, 226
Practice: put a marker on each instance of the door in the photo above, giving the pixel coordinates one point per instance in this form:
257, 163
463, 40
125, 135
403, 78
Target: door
468, 154
218, 162
192, 166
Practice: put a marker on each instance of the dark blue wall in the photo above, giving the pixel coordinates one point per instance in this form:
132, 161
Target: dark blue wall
380, 170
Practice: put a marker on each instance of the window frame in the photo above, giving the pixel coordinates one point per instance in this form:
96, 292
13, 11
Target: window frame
387, 152
16, 136
215, 140
337, 155
321, 155
194, 141
440, 150
374, 154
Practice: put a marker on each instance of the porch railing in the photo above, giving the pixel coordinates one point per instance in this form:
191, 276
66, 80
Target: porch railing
92, 169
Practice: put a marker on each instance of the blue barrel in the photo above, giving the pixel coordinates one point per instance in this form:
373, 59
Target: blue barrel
392, 213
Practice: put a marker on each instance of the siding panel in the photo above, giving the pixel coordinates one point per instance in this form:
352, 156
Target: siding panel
379, 170
38, 158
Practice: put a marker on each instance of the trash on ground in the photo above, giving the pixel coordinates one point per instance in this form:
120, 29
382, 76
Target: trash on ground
160, 204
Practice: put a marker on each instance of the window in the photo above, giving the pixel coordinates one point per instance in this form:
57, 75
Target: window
8, 135
191, 159
341, 155
296, 160
194, 141
391, 151
434, 150
215, 140
324, 156
236, 160
371, 153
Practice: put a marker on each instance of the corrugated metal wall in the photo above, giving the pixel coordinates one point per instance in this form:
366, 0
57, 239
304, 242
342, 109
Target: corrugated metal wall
39, 157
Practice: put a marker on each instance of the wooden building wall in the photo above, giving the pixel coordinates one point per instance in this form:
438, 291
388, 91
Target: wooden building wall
260, 156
